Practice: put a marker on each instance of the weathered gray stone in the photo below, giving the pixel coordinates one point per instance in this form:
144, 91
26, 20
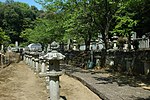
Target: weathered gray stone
53, 71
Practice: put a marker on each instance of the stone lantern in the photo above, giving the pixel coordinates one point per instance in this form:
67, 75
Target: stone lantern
53, 71
115, 42
74, 45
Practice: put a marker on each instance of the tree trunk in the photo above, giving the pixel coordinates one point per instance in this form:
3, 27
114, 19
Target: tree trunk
103, 54
87, 42
129, 42
105, 39
87, 45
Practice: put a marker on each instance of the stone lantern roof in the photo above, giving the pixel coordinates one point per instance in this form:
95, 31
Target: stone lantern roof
54, 55
54, 45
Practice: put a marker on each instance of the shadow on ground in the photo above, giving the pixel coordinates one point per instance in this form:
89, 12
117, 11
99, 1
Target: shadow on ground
63, 97
121, 79
138, 98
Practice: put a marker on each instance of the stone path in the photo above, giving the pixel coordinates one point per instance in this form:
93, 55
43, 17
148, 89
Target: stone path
107, 87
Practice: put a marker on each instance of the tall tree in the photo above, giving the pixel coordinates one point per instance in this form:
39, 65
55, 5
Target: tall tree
15, 17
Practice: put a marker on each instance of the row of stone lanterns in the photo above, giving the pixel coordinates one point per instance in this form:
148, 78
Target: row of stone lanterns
52, 71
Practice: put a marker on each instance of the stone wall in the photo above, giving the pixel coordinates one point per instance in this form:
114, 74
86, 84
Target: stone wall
132, 62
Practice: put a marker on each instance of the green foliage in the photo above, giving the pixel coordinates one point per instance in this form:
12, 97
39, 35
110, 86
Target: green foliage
141, 9
3, 37
82, 20
16, 17
124, 20
45, 31
124, 25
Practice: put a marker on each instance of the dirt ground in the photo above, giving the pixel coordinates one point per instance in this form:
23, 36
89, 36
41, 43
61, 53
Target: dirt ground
19, 82
75, 90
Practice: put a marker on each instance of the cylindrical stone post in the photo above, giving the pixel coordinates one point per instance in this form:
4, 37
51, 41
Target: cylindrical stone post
2, 60
5, 59
54, 88
148, 43
29, 60
26, 59
43, 67
33, 63
40, 64
37, 65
